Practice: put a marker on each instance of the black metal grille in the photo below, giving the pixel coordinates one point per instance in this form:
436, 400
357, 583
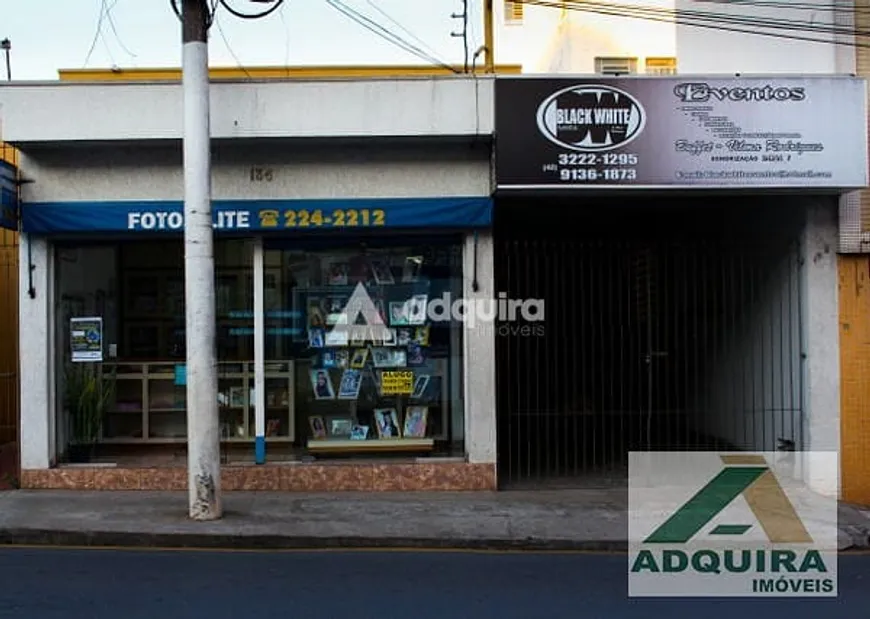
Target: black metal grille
675, 330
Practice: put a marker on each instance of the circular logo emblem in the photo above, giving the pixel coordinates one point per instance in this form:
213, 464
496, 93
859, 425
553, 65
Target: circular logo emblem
590, 118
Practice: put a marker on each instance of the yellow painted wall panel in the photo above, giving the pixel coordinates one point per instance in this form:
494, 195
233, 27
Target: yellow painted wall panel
854, 273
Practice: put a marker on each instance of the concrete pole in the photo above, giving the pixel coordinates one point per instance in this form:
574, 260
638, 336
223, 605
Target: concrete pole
203, 436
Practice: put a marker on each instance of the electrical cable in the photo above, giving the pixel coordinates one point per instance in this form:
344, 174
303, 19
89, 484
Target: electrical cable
713, 21
713, 17
398, 25
230, 47
261, 15
844, 7
97, 33
386, 34
724, 18
115, 29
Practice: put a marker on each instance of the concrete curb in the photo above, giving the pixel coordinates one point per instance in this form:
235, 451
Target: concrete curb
128, 539
38, 537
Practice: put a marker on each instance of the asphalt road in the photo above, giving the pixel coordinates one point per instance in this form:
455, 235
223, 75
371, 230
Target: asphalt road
107, 584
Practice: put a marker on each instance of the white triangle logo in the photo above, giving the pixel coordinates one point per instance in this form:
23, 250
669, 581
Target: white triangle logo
347, 328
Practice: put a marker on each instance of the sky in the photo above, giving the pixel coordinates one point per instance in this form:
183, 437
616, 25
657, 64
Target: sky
48, 35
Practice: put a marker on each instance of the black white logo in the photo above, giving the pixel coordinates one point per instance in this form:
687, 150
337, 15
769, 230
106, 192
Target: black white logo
591, 118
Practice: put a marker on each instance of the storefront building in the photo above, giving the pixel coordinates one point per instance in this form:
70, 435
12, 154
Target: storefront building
681, 234
697, 219
324, 191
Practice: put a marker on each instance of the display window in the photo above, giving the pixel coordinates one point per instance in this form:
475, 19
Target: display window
337, 380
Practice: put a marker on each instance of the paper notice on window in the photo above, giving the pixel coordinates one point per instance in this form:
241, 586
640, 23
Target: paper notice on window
86, 339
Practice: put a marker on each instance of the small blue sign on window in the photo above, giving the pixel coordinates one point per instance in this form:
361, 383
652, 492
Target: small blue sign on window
180, 374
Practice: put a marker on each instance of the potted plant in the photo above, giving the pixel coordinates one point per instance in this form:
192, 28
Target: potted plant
87, 398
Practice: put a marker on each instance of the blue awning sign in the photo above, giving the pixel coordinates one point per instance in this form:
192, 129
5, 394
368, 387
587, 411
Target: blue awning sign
299, 216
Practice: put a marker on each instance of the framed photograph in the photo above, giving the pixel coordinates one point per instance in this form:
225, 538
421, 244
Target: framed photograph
237, 397
336, 310
404, 337
327, 359
315, 338
342, 358
341, 427
420, 384
387, 420
348, 389
315, 314
382, 357
416, 357
335, 273
322, 385
415, 421
399, 314
389, 357
359, 433
336, 338
412, 268
318, 426
381, 271
391, 338
421, 336
416, 311
359, 358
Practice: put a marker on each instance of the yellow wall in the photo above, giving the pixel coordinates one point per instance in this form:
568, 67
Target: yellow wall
854, 273
8, 323
265, 73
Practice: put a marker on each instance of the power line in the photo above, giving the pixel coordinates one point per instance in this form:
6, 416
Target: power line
277, 4
229, 47
398, 25
97, 33
712, 21
115, 29
386, 34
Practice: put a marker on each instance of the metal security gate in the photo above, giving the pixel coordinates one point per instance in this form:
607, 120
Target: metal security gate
665, 329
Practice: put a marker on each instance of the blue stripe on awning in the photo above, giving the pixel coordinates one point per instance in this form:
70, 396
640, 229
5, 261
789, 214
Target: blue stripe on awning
240, 216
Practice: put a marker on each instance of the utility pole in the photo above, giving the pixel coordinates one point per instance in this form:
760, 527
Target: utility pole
203, 436
464, 33
6, 46
488, 35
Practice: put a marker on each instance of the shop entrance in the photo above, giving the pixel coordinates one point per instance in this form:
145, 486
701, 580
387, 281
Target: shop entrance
669, 325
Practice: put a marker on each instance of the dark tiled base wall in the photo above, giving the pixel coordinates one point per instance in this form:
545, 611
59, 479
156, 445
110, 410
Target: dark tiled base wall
291, 478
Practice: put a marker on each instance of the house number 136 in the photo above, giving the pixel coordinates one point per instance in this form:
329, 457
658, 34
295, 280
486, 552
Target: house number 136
262, 175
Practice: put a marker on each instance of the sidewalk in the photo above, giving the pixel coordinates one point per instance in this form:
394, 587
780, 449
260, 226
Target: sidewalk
545, 520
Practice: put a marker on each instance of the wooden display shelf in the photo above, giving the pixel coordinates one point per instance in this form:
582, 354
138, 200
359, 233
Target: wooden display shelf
325, 445
181, 441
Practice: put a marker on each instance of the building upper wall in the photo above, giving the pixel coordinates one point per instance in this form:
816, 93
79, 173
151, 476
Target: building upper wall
440, 107
709, 37
118, 173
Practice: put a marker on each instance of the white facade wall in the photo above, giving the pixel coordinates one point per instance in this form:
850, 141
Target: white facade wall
776, 374
550, 40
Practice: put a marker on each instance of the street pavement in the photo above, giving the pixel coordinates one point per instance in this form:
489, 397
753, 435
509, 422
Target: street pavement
49, 583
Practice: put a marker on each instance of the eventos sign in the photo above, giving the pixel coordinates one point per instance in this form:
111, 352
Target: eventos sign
681, 132
245, 216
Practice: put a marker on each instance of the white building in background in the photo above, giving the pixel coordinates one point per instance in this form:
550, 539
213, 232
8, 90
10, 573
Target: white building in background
712, 36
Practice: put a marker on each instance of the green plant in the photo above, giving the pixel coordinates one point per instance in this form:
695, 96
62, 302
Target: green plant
87, 397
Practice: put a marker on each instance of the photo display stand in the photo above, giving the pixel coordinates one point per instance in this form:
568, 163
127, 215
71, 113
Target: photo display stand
362, 390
